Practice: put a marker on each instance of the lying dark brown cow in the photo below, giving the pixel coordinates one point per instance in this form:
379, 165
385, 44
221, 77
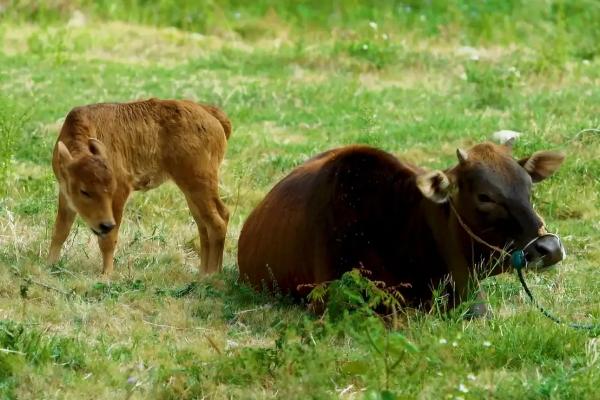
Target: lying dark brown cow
359, 206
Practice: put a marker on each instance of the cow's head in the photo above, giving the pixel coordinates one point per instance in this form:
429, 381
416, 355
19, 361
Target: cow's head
492, 193
88, 184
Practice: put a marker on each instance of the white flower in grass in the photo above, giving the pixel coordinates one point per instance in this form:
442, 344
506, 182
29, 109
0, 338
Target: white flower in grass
373, 25
513, 70
467, 51
462, 388
454, 344
442, 341
471, 377
77, 20
231, 345
365, 46
487, 343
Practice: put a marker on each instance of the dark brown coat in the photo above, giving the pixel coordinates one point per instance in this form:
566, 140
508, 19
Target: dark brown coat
358, 206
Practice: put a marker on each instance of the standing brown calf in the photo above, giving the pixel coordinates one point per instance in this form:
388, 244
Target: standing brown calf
105, 151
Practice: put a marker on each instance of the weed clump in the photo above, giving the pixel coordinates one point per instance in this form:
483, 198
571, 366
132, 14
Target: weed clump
11, 123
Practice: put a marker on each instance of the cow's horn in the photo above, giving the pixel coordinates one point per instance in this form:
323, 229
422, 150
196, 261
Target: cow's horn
462, 155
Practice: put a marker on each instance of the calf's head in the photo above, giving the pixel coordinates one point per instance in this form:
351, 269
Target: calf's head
88, 184
492, 195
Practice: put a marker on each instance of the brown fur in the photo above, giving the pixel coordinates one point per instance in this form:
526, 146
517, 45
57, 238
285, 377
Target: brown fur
359, 206
106, 151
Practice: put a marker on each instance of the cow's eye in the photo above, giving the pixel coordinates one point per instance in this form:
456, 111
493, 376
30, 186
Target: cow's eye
86, 194
484, 198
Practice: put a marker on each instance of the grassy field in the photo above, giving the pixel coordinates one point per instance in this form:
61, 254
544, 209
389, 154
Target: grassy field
296, 78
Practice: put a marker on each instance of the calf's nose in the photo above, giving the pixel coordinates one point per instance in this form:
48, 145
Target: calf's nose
106, 227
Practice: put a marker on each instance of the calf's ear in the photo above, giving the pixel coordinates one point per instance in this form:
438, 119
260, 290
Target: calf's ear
97, 147
64, 156
434, 185
542, 164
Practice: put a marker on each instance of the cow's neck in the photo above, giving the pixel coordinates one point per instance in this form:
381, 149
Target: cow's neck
479, 257
450, 242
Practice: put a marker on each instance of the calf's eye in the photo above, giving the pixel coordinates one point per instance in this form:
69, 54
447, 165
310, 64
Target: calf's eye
86, 194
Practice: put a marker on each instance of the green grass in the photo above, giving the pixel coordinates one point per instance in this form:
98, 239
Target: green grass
415, 78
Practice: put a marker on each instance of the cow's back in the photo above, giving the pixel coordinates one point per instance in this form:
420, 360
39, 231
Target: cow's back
350, 207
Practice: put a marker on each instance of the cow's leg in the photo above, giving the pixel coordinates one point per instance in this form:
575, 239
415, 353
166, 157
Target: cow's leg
64, 220
210, 215
479, 308
465, 285
461, 281
108, 242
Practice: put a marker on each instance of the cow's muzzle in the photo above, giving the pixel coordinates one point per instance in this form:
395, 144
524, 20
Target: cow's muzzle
544, 251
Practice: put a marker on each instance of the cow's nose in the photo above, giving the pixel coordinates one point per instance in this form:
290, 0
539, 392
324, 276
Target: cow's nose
106, 227
547, 250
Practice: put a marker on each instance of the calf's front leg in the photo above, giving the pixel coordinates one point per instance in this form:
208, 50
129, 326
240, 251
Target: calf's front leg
64, 220
108, 242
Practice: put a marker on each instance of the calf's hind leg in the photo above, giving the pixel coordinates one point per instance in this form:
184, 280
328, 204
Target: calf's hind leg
204, 243
211, 216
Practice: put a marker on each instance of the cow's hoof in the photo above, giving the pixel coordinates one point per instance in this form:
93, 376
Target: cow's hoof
478, 310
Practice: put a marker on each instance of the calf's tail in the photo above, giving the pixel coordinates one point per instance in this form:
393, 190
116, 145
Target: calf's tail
219, 115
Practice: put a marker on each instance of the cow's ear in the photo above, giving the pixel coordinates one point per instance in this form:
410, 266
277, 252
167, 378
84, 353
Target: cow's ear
542, 164
434, 185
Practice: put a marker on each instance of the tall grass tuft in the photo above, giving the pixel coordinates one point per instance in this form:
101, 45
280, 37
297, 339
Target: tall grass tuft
11, 124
